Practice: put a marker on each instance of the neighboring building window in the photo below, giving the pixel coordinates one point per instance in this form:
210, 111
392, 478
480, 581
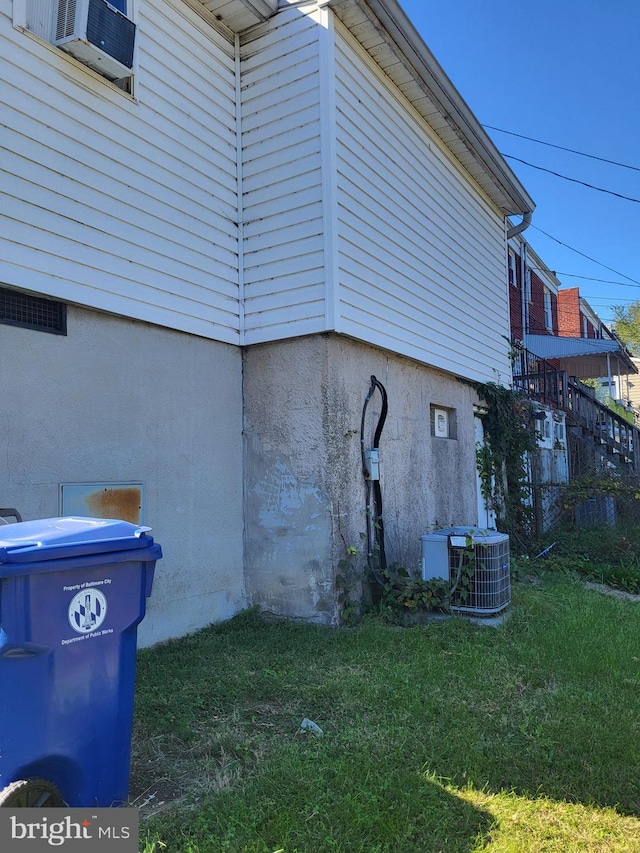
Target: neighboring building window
548, 313
512, 269
443, 422
32, 312
527, 284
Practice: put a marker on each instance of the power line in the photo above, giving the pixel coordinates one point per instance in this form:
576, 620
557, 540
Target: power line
573, 180
587, 278
584, 277
582, 254
562, 148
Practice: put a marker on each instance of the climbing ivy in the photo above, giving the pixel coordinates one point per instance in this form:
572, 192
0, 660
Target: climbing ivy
510, 434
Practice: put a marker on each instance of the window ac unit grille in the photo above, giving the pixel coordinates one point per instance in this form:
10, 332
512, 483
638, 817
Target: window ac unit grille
475, 563
98, 35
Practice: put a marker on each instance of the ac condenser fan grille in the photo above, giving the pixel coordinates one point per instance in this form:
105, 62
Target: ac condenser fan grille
480, 577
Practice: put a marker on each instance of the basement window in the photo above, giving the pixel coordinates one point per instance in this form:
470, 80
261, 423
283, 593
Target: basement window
32, 312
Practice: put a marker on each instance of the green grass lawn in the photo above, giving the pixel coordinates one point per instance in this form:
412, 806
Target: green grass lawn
446, 737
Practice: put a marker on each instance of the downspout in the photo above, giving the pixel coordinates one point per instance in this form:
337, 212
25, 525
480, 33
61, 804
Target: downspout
521, 226
513, 232
523, 291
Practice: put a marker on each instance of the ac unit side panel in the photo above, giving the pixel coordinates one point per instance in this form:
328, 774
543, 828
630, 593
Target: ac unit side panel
435, 560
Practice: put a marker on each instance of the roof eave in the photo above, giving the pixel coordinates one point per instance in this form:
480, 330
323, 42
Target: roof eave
459, 117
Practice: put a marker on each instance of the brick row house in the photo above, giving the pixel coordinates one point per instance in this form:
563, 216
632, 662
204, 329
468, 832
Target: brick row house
577, 371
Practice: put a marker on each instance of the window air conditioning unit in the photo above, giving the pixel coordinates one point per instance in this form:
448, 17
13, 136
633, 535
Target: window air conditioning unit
475, 562
98, 35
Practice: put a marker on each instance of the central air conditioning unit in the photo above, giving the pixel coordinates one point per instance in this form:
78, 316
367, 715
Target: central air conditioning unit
98, 35
475, 563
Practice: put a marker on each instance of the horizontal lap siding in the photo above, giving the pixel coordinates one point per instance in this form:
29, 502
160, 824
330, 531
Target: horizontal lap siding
283, 258
421, 252
122, 206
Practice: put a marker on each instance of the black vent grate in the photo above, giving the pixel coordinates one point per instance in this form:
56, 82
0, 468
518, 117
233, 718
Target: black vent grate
32, 312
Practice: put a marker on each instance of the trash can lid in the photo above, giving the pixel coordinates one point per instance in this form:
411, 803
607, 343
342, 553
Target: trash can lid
61, 538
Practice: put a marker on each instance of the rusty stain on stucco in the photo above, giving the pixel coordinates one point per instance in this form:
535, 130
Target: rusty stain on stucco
123, 503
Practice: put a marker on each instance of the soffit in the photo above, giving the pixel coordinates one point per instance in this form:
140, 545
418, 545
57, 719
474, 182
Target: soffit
238, 15
385, 32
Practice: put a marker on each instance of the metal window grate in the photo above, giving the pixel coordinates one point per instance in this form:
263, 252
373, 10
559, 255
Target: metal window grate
32, 312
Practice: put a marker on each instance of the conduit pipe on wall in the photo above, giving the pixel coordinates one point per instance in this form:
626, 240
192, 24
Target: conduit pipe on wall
524, 296
376, 556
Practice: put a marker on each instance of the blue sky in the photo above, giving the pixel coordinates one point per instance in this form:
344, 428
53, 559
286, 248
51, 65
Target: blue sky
565, 72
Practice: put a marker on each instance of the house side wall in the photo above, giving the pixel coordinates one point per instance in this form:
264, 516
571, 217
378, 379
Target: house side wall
515, 312
124, 205
118, 401
569, 319
305, 496
422, 250
590, 329
537, 317
282, 199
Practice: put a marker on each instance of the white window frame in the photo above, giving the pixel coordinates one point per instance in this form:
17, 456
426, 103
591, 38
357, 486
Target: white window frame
548, 312
527, 283
511, 267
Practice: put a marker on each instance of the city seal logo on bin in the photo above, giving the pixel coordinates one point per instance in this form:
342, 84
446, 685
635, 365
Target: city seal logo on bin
87, 611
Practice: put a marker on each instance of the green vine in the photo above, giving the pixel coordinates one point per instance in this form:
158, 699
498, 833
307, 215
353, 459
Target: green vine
510, 434
347, 581
464, 581
399, 592
593, 487
403, 594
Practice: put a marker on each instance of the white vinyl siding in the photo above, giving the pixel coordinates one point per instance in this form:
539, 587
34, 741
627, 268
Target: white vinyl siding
421, 249
282, 213
121, 205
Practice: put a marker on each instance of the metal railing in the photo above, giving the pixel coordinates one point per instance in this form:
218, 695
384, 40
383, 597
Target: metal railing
541, 382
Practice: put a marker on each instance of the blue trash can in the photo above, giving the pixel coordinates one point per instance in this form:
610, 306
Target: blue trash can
72, 593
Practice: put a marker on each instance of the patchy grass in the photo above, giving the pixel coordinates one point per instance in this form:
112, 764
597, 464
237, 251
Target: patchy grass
447, 737
609, 555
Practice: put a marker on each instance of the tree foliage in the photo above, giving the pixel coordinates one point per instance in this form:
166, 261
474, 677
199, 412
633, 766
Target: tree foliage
627, 325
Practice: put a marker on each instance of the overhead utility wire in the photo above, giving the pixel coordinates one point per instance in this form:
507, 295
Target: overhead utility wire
585, 277
588, 257
562, 148
573, 180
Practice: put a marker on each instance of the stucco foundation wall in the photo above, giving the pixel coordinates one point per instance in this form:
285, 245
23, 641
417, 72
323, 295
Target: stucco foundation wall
304, 490
118, 400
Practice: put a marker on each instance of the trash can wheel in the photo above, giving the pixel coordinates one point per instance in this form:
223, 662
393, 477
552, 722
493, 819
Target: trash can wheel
31, 793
